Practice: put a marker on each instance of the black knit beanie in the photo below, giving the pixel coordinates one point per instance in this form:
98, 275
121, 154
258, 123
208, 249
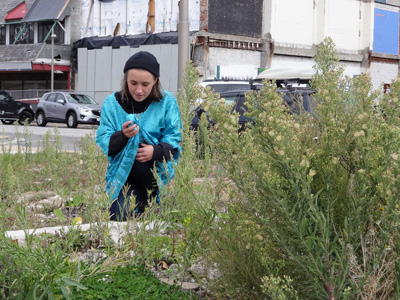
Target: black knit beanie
143, 60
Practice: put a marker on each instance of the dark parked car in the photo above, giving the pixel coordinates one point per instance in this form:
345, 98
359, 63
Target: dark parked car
236, 99
69, 108
11, 110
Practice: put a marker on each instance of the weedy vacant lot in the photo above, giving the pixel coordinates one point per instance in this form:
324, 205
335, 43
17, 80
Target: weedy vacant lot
296, 206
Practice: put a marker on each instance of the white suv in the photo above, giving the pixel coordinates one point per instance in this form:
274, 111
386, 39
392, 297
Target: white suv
69, 108
220, 86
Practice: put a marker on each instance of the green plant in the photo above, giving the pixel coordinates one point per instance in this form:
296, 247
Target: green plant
8, 182
316, 185
278, 288
49, 266
128, 282
36, 272
190, 202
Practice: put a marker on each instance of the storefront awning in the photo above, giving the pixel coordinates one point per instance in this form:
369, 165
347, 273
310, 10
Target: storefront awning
46, 10
15, 66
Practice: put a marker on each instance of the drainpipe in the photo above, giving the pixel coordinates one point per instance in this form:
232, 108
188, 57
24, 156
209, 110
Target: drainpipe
183, 40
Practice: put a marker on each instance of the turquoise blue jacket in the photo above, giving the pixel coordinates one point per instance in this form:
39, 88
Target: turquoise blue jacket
161, 122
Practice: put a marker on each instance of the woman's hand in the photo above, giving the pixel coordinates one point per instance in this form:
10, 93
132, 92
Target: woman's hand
145, 153
130, 131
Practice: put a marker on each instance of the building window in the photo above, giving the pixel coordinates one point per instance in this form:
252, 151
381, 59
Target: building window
45, 27
2, 34
26, 37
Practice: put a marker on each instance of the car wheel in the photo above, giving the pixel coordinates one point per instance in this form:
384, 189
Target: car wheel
40, 119
72, 121
7, 122
25, 116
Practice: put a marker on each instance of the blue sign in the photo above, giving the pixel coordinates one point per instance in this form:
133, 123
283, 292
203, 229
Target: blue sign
386, 31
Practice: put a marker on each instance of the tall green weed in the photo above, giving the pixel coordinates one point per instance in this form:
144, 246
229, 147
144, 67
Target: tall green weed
320, 191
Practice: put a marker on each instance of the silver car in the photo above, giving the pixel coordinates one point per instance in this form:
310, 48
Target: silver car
69, 108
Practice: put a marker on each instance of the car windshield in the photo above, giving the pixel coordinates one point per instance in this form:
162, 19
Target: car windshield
293, 100
81, 99
228, 100
219, 88
4, 96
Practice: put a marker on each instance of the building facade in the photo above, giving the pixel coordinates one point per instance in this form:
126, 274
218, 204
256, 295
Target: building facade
228, 39
35, 39
285, 33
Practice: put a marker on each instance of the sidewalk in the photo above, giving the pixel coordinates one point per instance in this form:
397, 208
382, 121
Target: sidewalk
64, 125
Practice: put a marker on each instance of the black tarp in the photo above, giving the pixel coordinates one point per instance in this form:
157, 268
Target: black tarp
98, 42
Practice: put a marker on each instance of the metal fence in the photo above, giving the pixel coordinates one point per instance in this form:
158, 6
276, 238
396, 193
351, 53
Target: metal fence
27, 94
100, 70
36, 94
30, 96
33, 96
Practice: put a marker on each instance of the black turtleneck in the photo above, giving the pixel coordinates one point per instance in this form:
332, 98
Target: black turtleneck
118, 140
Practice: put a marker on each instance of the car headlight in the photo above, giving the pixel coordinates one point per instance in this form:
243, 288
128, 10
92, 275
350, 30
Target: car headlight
83, 109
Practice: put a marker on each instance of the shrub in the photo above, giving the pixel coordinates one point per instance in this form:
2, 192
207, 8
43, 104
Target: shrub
321, 189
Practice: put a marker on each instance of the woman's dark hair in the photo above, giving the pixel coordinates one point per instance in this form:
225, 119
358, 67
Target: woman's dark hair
156, 93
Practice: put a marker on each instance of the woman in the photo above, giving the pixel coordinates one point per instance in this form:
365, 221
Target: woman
140, 128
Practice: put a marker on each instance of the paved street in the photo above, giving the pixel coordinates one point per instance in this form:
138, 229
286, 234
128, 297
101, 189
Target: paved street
14, 134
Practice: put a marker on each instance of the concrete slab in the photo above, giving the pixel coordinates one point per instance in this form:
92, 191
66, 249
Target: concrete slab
117, 230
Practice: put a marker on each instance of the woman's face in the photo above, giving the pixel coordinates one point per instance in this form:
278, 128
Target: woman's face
140, 83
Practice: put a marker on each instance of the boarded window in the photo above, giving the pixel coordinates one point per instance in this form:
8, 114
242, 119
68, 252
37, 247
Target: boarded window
24, 32
243, 18
2, 34
44, 28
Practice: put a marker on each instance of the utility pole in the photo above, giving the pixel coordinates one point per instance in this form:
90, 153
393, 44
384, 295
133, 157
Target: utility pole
53, 36
183, 40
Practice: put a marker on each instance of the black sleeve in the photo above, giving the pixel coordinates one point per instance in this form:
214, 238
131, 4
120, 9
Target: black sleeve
163, 150
117, 142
